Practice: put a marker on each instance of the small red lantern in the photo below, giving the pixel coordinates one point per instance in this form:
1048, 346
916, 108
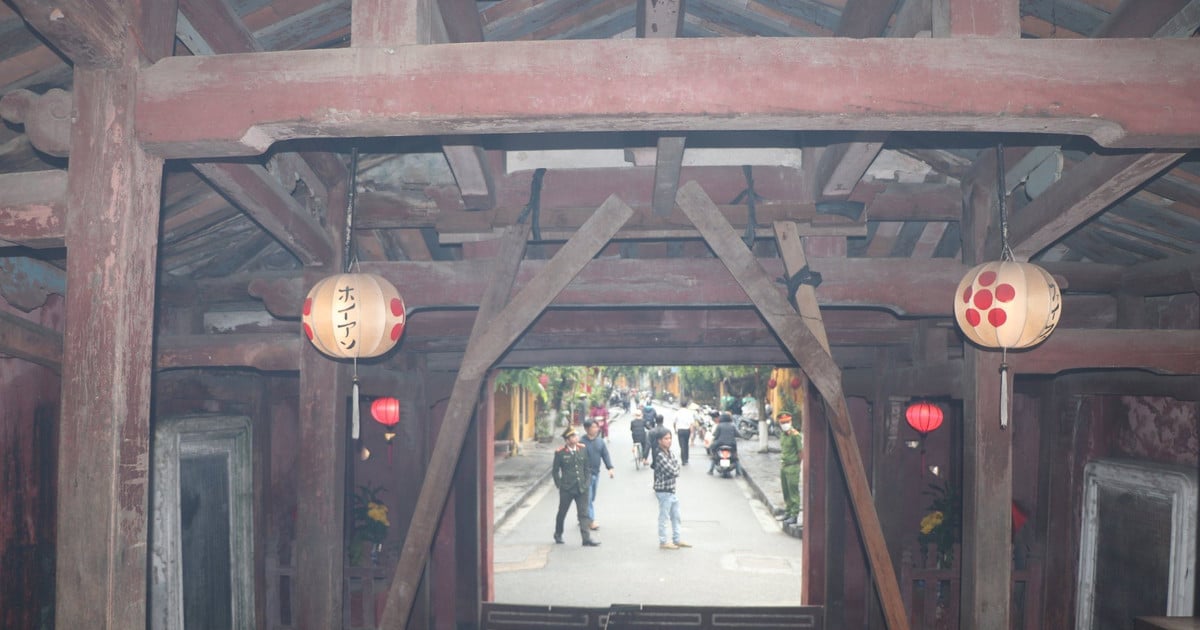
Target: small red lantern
544, 380
386, 411
772, 383
924, 417
796, 382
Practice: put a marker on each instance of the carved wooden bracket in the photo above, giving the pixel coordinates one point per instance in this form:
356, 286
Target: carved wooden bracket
47, 118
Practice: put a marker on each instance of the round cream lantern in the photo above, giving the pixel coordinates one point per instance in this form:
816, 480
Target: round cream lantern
353, 316
1007, 305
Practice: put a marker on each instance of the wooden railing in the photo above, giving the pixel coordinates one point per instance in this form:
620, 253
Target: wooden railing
364, 591
932, 593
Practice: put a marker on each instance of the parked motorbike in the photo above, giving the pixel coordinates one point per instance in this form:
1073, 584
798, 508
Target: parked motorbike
726, 460
746, 428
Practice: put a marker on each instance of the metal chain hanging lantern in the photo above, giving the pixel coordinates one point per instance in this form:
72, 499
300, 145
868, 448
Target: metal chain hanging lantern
353, 315
1005, 304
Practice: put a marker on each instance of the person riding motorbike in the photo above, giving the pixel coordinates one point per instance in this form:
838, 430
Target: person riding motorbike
724, 435
637, 427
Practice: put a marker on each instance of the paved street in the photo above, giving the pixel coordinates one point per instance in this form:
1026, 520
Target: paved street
740, 557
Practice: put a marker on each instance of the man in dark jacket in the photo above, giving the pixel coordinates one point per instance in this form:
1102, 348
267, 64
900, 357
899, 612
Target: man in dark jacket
597, 450
571, 476
724, 435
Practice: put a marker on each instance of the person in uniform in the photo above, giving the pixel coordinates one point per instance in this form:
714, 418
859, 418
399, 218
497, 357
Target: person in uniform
573, 480
791, 445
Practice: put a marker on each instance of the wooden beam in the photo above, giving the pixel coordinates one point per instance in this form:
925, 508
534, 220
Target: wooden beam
843, 165
795, 335
794, 261
263, 198
1159, 351
32, 342
241, 104
918, 287
500, 322
269, 352
88, 33
1083, 192
26, 282
388, 24
1169, 276
663, 19
32, 207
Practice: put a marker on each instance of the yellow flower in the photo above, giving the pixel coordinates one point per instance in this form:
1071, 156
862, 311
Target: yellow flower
931, 521
378, 512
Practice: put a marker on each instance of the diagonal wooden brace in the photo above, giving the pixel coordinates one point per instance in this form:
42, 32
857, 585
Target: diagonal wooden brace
497, 326
816, 362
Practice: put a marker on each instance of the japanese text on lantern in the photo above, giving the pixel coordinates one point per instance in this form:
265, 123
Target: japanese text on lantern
349, 314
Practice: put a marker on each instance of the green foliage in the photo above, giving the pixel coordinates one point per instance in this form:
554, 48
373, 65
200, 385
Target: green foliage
942, 526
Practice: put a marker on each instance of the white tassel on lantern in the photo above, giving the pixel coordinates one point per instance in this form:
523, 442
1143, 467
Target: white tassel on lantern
1003, 395
354, 411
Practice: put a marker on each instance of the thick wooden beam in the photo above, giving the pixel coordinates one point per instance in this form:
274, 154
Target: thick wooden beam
32, 207
88, 33
1161, 351
388, 24
267, 352
241, 104
500, 322
1169, 276
1083, 192
915, 287
27, 340
796, 336
264, 199
26, 282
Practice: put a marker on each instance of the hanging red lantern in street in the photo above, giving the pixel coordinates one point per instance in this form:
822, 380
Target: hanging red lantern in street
796, 382
924, 417
353, 316
772, 383
386, 411
544, 380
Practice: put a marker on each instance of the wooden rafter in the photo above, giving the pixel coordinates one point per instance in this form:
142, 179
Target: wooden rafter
825, 375
241, 104
32, 208
24, 339
499, 323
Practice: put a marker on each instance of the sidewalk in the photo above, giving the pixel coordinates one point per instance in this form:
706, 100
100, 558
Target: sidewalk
518, 476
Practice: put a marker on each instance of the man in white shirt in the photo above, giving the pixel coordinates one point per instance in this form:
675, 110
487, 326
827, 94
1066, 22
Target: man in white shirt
684, 418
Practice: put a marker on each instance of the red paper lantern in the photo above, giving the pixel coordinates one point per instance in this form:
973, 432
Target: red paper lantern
386, 411
924, 417
796, 382
772, 383
544, 380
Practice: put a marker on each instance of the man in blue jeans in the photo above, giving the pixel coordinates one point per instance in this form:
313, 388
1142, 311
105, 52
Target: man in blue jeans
597, 452
666, 470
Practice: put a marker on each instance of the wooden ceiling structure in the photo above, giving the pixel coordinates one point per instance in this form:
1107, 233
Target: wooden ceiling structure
648, 135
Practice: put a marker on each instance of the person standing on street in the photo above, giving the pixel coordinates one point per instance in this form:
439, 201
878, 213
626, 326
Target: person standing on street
597, 452
684, 418
791, 446
666, 471
570, 473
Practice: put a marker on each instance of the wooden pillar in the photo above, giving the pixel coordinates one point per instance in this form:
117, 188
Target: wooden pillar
815, 472
111, 226
487, 507
320, 486
987, 447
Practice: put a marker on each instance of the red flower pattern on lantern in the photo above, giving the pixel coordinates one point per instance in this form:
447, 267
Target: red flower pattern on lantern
772, 383
796, 382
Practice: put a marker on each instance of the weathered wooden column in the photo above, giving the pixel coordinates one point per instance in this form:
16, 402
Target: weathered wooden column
987, 448
110, 232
